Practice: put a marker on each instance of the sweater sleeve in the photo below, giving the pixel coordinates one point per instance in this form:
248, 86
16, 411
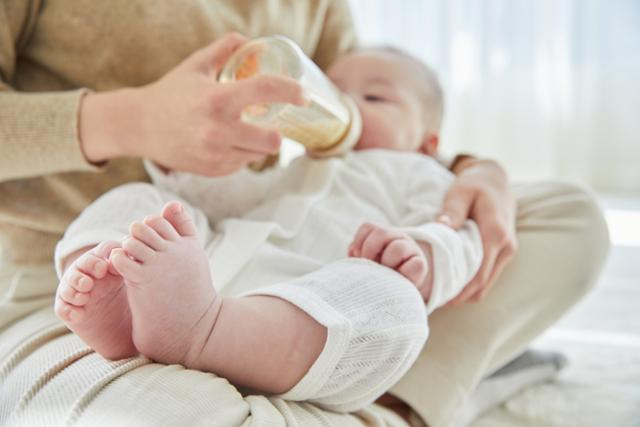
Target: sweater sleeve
38, 131
457, 254
338, 34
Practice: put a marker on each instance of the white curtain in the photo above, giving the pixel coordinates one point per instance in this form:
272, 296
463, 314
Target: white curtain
550, 88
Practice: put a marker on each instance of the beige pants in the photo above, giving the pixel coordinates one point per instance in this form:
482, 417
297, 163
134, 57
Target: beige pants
48, 377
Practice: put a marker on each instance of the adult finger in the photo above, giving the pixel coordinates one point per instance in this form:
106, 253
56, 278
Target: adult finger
263, 89
479, 280
245, 157
234, 160
506, 255
212, 57
470, 289
457, 204
497, 240
254, 138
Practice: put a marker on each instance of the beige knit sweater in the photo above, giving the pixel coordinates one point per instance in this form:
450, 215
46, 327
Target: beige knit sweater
52, 51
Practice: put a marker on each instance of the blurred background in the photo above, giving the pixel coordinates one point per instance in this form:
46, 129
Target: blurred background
550, 89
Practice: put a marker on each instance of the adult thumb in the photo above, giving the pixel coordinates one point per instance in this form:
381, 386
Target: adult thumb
212, 57
456, 207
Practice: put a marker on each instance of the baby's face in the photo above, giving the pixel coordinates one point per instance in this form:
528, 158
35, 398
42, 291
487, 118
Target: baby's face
386, 89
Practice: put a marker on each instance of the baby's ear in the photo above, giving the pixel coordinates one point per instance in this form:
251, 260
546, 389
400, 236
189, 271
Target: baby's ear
429, 144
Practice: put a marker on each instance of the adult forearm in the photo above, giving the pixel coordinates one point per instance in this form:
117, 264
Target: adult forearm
109, 125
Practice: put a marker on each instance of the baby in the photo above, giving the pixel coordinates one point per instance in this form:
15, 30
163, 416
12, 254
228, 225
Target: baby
316, 280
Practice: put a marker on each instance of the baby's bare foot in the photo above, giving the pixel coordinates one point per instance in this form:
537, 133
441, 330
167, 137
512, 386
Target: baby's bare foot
93, 303
171, 295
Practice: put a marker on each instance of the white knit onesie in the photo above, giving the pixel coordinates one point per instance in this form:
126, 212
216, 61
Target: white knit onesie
285, 233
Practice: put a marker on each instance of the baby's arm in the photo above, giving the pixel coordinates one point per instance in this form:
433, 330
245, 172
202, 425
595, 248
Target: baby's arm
438, 260
456, 255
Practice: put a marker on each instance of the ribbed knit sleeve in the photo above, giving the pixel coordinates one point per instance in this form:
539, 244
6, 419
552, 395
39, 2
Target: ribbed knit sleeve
38, 131
457, 254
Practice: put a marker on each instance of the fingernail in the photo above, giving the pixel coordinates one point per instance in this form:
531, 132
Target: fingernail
445, 219
177, 208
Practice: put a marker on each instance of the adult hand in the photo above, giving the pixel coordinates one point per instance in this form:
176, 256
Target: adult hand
481, 193
186, 120
398, 406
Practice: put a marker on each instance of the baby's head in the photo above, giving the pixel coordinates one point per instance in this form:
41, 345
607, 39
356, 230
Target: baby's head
399, 97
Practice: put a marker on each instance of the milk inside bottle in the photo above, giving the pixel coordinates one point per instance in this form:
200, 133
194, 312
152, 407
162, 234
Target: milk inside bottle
328, 125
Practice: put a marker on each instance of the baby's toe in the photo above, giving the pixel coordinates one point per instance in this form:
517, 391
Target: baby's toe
71, 296
92, 265
147, 235
103, 250
68, 312
80, 281
129, 269
138, 249
162, 227
174, 213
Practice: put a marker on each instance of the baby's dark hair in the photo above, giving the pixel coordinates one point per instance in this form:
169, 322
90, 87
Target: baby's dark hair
433, 96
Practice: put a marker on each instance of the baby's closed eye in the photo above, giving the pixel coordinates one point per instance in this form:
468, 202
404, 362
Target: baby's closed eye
375, 98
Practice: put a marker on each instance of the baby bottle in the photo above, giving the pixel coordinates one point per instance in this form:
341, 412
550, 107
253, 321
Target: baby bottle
330, 124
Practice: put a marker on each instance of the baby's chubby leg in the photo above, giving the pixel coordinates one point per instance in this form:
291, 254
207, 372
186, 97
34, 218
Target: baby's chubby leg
260, 342
339, 337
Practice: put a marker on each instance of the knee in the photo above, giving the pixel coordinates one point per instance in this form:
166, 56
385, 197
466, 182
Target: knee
589, 232
403, 306
388, 328
378, 298
573, 216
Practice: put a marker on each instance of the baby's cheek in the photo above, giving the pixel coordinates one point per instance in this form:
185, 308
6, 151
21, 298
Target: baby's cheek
376, 132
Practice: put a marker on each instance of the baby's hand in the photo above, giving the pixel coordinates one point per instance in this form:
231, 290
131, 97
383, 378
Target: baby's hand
391, 248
